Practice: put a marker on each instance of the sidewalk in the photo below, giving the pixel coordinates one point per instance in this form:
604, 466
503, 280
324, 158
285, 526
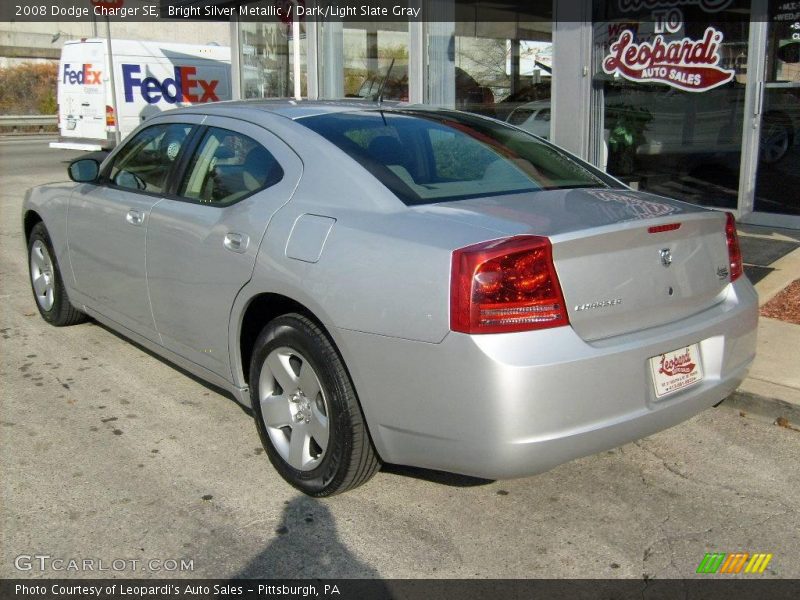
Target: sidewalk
772, 387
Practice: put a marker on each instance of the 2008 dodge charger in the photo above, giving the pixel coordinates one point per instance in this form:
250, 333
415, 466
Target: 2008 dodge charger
401, 284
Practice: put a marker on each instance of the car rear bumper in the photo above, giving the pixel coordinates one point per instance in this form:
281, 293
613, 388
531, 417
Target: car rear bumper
86, 144
510, 405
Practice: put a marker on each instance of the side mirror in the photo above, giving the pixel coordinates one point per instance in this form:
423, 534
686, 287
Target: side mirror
84, 170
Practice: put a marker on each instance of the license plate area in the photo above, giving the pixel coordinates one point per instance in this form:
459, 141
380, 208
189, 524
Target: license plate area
676, 370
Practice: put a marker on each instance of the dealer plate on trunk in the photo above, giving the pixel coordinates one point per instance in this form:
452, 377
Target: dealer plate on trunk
676, 370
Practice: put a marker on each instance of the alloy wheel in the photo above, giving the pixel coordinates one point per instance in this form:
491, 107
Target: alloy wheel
42, 275
294, 408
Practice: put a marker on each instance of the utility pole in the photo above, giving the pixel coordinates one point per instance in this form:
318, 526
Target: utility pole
112, 81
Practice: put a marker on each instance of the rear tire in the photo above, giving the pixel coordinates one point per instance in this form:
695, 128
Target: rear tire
306, 409
46, 281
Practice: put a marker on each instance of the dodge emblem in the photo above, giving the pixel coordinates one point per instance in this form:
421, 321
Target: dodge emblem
666, 257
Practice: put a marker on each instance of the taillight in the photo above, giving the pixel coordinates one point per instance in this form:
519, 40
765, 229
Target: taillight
111, 118
505, 285
734, 252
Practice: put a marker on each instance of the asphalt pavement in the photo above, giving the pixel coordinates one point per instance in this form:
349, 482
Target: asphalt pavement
109, 453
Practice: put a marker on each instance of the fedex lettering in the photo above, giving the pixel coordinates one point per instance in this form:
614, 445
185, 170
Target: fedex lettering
85, 76
176, 89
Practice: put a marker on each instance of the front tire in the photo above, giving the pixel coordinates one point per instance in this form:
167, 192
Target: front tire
306, 409
46, 281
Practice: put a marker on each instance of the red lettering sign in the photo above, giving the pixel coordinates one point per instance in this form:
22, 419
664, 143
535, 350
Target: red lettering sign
690, 65
678, 365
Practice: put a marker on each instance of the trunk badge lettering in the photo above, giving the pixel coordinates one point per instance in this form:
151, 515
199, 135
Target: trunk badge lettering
666, 257
598, 304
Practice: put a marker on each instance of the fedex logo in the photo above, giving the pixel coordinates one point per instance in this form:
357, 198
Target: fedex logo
86, 76
179, 88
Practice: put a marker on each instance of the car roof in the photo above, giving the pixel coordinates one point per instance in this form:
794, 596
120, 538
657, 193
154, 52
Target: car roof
291, 109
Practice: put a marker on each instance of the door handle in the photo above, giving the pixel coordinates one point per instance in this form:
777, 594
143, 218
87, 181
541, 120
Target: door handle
134, 217
236, 242
758, 105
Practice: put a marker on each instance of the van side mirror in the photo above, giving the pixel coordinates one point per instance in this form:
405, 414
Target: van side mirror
84, 170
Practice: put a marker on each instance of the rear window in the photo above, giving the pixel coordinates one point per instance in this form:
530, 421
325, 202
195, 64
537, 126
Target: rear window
425, 157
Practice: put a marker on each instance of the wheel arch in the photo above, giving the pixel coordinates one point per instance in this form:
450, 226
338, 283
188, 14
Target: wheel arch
259, 310
29, 221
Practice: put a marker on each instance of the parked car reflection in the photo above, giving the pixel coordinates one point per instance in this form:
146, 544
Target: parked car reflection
666, 121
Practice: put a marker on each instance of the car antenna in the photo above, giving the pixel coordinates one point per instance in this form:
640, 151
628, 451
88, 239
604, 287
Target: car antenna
383, 83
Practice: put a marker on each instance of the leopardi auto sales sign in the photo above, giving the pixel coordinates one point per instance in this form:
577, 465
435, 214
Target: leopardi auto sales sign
686, 64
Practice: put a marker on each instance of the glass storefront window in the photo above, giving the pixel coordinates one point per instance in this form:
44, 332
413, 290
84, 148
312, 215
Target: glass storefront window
778, 175
672, 81
358, 59
501, 68
267, 59
496, 61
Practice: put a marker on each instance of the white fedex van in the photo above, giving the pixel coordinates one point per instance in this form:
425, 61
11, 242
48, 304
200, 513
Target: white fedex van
149, 77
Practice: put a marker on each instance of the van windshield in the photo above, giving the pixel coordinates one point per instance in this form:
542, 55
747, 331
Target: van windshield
441, 156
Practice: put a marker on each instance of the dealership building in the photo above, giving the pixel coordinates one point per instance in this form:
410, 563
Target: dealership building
693, 99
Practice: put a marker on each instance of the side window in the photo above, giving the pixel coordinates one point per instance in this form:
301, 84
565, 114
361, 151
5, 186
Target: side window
145, 161
226, 167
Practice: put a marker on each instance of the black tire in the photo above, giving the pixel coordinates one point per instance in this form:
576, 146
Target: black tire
61, 313
349, 459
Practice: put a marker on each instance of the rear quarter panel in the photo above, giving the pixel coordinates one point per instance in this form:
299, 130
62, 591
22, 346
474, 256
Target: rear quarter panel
384, 269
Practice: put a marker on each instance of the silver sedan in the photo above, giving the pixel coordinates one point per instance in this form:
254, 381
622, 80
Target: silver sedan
398, 284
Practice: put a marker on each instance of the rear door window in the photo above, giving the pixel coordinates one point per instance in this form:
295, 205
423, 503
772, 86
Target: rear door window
227, 167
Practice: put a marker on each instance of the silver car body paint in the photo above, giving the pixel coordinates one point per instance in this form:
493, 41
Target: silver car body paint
376, 274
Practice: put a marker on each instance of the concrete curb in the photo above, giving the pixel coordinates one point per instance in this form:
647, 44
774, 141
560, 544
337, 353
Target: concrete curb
779, 412
771, 390
786, 270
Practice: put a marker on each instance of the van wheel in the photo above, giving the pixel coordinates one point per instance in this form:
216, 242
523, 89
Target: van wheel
306, 410
776, 138
46, 282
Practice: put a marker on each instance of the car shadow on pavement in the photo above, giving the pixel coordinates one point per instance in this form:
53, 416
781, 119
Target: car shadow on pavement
306, 545
440, 477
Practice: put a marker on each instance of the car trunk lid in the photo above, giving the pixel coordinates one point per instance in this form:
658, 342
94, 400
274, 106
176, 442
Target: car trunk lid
626, 261
623, 280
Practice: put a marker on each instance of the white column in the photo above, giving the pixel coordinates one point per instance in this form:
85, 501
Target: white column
753, 106
332, 59
441, 53
236, 60
297, 71
572, 79
312, 64
416, 58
